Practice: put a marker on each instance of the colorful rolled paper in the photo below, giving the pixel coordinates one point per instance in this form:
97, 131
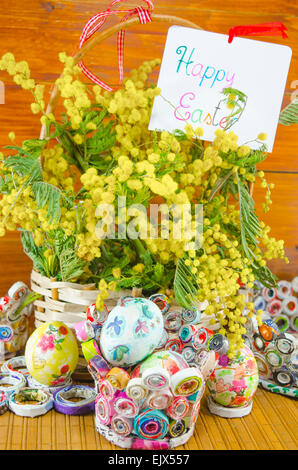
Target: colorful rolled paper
283, 322
186, 333
201, 337
174, 344
6, 333
178, 408
188, 353
84, 330
125, 406
104, 409
191, 315
98, 367
219, 344
156, 378
90, 349
3, 402
136, 389
274, 307
290, 305
63, 400
151, 424
106, 389
173, 321
161, 301
195, 410
159, 400
177, 428
121, 425
284, 289
269, 293
186, 381
95, 316
118, 378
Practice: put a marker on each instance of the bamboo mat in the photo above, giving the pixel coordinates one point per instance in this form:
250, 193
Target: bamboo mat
272, 425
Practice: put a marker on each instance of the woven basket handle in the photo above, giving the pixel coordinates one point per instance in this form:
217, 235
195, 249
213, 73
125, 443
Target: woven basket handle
100, 37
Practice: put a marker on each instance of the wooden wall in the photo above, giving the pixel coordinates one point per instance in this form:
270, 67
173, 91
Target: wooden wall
37, 31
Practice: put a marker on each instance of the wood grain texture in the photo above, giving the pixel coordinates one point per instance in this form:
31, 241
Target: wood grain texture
272, 425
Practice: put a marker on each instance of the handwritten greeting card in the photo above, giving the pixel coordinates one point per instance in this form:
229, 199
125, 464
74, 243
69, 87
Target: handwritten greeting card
198, 65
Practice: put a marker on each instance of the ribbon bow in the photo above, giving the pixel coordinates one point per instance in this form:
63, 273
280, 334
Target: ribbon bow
96, 22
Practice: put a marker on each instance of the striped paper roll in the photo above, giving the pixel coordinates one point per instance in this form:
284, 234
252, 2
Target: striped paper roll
159, 400
156, 378
282, 322
177, 427
136, 389
118, 378
290, 305
186, 381
106, 389
173, 344
125, 406
121, 425
274, 307
104, 410
191, 315
263, 366
284, 289
178, 408
151, 424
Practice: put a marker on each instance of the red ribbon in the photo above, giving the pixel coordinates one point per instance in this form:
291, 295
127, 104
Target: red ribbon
264, 29
96, 22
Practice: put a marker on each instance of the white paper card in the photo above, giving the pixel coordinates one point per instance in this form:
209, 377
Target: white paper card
197, 65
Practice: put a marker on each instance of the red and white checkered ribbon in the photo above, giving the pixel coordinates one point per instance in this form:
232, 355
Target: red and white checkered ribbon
96, 22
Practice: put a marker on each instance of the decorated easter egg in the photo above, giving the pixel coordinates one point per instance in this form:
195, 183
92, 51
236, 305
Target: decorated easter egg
170, 361
234, 381
51, 353
131, 332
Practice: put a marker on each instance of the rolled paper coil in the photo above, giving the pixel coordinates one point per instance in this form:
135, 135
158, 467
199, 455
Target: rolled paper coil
290, 305
274, 358
118, 378
295, 284
219, 344
186, 333
15, 364
121, 425
259, 342
269, 293
32, 383
264, 369
283, 323
195, 410
125, 406
95, 316
20, 402
284, 377
3, 403
6, 333
206, 362
90, 349
14, 380
104, 410
106, 389
136, 389
172, 321
189, 354
178, 408
151, 424
201, 337
18, 290
284, 289
285, 344
173, 344
294, 322
164, 339
159, 400
156, 378
260, 303
84, 330
191, 315
98, 367
161, 301
274, 307
177, 427
63, 400
186, 381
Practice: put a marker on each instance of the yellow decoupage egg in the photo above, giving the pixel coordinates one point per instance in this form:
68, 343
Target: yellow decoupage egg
51, 353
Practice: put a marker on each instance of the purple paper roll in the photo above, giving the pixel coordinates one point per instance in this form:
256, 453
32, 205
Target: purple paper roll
63, 403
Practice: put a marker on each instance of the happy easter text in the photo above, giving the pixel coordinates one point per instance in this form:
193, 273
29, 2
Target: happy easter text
208, 77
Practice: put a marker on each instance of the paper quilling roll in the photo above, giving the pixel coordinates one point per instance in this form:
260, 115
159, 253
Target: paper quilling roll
161, 302
186, 381
3, 403
159, 400
178, 408
6, 333
98, 367
95, 316
172, 321
290, 305
64, 404
274, 307
274, 358
121, 425
263, 366
286, 344
32, 383
15, 364
118, 378
260, 303
294, 322
219, 344
156, 378
151, 424
104, 410
282, 322
269, 293
125, 406
15, 380
177, 427
106, 389
136, 389
191, 315
84, 330
90, 349
20, 402
284, 289
189, 354
173, 344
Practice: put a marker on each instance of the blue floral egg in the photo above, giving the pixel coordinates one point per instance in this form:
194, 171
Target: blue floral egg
131, 332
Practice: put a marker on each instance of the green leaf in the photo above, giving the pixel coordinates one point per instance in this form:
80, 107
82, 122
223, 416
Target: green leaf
47, 194
289, 115
185, 286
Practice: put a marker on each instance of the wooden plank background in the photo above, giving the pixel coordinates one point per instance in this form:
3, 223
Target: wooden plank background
37, 31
